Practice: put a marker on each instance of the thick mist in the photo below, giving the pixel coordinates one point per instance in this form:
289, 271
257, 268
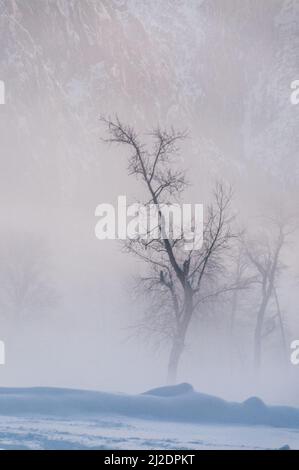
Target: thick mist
220, 70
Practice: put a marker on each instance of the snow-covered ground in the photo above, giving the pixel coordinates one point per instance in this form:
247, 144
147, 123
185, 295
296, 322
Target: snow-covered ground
112, 432
165, 418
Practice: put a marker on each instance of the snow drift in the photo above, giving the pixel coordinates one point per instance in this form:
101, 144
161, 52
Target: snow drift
177, 403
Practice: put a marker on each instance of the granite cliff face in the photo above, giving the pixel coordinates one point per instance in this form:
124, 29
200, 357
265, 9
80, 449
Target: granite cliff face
221, 69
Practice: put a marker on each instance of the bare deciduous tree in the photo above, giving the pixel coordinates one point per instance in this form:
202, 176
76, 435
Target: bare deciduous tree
25, 285
176, 281
264, 254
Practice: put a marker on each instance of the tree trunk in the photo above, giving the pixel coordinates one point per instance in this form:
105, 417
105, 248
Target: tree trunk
257, 349
174, 358
258, 335
235, 297
281, 325
179, 340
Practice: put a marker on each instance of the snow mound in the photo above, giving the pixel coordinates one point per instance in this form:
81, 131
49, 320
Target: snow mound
170, 391
255, 403
177, 404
